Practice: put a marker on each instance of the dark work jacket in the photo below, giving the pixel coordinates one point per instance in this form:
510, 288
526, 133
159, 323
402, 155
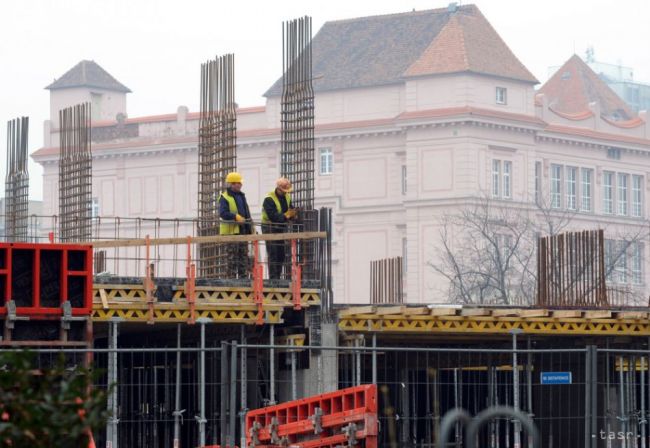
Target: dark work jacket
242, 209
274, 216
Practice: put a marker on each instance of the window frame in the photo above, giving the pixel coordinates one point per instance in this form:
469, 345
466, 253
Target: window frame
622, 186
608, 192
506, 180
586, 190
326, 169
571, 183
556, 182
501, 95
636, 206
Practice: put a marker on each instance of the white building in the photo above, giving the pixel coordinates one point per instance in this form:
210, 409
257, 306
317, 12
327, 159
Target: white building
416, 114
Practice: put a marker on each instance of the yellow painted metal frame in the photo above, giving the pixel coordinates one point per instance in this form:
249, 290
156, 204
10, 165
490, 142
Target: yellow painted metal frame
551, 326
219, 304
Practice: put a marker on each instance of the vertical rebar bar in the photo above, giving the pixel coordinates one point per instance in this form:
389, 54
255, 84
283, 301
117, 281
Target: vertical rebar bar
75, 173
217, 155
17, 181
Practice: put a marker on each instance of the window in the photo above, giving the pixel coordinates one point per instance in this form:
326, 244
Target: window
571, 187
326, 161
556, 186
622, 194
586, 190
403, 179
620, 266
538, 181
95, 208
608, 192
502, 95
502, 179
614, 153
636, 196
96, 106
496, 178
507, 179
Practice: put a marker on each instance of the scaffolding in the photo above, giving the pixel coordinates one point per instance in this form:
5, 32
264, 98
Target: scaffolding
16, 180
217, 154
75, 174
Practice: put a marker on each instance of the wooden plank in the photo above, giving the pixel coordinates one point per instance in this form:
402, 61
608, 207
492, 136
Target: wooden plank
351, 311
210, 239
475, 312
631, 315
384, 310
534, 313
416, 311
598, 314
443, 311
506, 312
564, 314
104, 298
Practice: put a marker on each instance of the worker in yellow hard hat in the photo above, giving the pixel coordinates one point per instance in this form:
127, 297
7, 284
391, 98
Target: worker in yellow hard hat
235, 219
277, 214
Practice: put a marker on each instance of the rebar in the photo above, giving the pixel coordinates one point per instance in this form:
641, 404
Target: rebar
297, 116
17, 180
571, 270
75, 173
217, 154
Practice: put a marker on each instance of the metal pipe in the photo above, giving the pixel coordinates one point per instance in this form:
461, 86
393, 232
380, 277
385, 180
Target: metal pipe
272, 364
515, 388
294, 385
177, 405
243, 391
588, 403
223, 400
643, 421
529, 388
357, 355
201, 418
622, 416
111, 427
374, 358
233, 394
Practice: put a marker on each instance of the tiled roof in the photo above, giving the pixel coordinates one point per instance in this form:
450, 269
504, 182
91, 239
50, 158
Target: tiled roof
468, 43
575, 85
88, 74
378, 50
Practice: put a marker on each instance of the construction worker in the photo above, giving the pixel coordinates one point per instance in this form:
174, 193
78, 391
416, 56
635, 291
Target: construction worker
277, 214
235, 220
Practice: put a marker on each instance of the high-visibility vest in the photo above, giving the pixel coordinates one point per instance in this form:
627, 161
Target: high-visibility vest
227, 228
278, 206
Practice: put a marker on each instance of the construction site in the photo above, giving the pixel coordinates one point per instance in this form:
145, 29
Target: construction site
203, 350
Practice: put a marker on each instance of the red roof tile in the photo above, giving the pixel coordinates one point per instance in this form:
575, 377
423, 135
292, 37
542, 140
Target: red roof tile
575, 85
468, 43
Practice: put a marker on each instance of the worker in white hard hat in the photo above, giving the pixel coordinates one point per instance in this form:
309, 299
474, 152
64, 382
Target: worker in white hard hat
235, 219
277, 214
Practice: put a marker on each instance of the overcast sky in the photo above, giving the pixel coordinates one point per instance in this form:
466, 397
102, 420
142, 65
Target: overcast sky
155, 47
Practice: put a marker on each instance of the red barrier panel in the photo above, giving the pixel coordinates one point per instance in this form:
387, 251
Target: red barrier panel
332, 419
41, 278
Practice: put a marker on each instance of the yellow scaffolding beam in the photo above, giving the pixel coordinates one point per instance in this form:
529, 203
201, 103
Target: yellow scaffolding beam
220, 304
472, 324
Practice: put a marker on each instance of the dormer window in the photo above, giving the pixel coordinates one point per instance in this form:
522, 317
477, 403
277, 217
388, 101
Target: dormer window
502, 95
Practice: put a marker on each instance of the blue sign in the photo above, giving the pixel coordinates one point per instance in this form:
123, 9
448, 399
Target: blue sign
556, 378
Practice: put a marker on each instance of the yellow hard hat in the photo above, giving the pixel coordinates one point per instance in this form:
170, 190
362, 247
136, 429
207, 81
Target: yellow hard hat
234, 178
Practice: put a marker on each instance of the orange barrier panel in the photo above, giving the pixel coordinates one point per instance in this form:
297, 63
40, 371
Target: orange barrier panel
347, 417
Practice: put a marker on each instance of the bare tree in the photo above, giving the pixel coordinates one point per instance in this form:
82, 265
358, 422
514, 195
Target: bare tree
487, 251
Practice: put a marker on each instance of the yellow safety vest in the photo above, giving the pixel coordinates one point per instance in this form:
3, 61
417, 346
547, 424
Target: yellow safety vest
278, 206
227, 228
